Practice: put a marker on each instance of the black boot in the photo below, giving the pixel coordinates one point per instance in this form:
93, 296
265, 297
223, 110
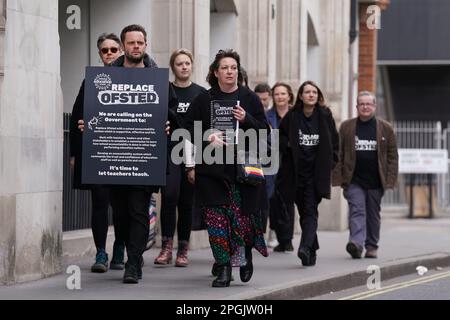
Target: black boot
131, 274
307, 256
215, 269
140, 265
224, 277
133, 269
246, 272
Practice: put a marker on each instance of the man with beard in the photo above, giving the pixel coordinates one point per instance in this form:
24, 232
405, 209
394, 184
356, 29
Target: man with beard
130, 203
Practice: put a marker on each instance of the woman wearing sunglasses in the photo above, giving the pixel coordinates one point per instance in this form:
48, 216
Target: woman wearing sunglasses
109, 50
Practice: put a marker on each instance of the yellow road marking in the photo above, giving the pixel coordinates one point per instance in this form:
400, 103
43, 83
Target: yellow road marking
397, 286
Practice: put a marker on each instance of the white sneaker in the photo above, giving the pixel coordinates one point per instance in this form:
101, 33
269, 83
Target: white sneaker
272, 241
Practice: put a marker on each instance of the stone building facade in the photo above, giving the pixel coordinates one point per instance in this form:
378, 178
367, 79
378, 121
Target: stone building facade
30, 141
45, 45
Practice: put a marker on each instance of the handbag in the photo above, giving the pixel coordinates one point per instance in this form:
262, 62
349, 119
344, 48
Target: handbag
249, 170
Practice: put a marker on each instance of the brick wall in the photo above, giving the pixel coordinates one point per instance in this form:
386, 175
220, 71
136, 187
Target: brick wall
368, 47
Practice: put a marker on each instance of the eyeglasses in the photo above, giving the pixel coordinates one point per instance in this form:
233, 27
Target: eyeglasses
370, 104
106, 50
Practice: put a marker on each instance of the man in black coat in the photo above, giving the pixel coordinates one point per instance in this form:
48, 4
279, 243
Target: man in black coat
130, 203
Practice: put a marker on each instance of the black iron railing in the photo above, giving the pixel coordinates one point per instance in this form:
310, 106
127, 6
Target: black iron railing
76, 203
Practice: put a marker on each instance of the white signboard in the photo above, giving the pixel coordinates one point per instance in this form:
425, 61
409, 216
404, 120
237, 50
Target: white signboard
423, 160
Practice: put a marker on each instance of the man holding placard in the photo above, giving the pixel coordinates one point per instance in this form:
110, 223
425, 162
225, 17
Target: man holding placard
125, 141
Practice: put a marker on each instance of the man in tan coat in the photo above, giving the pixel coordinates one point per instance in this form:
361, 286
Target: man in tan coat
368, 165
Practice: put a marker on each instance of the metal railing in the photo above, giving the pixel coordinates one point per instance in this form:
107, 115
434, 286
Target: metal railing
410, 134
420, 135
76, 203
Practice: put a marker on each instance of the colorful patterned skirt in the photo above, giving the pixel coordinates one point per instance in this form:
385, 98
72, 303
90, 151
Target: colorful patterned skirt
230, 231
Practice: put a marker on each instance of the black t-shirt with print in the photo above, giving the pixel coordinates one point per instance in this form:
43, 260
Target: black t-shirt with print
185, 96
366, 172
308, 139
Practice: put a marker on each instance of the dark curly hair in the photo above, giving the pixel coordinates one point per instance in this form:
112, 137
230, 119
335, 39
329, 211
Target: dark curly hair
229, 53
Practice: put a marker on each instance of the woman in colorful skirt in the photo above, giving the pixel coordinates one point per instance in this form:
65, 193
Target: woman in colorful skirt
230, 208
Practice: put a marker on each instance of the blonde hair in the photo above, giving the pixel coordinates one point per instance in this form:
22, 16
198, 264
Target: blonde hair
176, 53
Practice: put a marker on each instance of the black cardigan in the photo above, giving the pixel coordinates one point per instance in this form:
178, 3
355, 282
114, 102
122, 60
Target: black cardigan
212, 182
327, 153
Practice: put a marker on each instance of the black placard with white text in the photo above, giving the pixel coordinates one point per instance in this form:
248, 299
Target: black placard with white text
124, 139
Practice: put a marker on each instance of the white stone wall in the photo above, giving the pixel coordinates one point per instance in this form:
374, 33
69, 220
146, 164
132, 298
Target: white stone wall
305, 40
255, 40
182, 24
333, 31
2, 35
31, 143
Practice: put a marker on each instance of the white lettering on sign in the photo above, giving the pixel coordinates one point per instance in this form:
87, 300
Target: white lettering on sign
423, 160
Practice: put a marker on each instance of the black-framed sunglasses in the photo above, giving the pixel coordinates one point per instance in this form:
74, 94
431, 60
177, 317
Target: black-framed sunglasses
106, 50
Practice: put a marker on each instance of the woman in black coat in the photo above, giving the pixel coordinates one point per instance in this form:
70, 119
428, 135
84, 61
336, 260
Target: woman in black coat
309, 145
229, 208
109, 49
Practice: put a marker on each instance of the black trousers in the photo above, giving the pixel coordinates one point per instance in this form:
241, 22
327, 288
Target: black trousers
99, 219
307, 202
130, 205
281, 218
178, 192
100, 196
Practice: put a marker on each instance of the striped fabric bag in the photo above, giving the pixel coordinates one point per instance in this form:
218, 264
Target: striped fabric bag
249, 170
152, 220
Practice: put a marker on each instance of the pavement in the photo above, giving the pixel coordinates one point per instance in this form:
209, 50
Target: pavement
405, 244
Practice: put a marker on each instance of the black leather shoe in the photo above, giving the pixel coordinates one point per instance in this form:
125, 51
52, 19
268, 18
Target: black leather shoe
215, 269
141, 264
354, 250
131, 274
279, 248
246, 272
305, 256
312, 259
288, 246
224, 277
283, 247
